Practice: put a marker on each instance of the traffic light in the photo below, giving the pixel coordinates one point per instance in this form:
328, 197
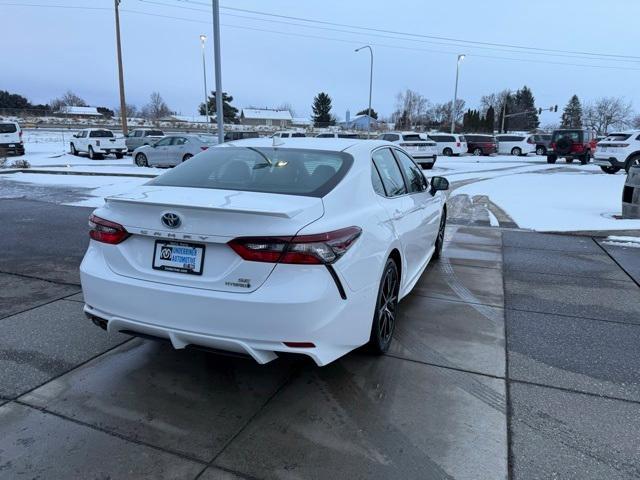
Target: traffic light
539, 111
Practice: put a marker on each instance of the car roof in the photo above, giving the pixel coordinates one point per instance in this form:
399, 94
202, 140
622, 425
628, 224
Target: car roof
312, 143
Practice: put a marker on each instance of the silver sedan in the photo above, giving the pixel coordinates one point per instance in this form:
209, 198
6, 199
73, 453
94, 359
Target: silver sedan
172, 150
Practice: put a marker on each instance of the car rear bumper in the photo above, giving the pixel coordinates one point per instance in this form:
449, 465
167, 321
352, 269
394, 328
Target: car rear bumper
12, 148
109, 150
608, 162
296, 303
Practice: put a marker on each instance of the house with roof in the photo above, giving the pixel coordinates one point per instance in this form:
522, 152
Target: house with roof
265, 117
359, 122
74, 111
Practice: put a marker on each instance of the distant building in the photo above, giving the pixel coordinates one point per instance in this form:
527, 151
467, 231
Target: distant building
301, 122
359, 122
189, 118
73, 111
266, 117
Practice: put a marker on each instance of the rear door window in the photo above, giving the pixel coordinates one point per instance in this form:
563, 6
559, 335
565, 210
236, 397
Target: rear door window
390, 174
412, 173
8, 128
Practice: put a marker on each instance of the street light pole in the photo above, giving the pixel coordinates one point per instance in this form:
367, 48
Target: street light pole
203, 38
370, 88
123, 103
216, 50
455, 95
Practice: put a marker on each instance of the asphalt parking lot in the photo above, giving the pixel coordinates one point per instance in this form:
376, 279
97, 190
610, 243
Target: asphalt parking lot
515, 356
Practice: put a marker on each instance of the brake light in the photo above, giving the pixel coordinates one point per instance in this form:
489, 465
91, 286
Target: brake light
553, 145
104, 231
321, 248
203, 148
458, 144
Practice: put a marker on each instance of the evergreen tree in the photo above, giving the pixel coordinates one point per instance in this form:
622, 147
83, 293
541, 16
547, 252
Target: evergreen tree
572, 114
230, 113
524, 102
490, 120
322, 111
364, 111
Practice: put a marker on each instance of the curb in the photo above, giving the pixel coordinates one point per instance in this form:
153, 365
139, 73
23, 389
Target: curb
62, 172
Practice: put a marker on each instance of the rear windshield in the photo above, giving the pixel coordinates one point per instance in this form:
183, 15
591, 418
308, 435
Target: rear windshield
412, 138
574, 135
617, 137
288, 171
101, 134
154, 133
8, 128
463, 138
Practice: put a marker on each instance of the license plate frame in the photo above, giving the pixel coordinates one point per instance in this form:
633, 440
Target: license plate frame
156, 262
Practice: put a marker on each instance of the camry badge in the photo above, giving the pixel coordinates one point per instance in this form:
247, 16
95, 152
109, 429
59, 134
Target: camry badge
171, 220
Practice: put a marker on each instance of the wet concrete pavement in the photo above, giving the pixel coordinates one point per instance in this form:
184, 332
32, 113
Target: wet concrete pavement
558, 397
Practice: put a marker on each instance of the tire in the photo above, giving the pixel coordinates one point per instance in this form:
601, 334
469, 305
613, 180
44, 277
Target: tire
477, 152
540, 150
93, 155
551, 159
584, 160
568, 160
447, 152
186, 157
516, 151
611, 170
386, 311
119, 155
141, 160
440, 238
632, 162
72, 150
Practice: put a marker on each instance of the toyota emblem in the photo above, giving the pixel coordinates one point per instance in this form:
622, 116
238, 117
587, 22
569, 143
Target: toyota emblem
171, 220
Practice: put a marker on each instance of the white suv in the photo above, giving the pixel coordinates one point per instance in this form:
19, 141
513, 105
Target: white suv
449, 144
423, 151
288, 134
11, 138
514, 144
618, 151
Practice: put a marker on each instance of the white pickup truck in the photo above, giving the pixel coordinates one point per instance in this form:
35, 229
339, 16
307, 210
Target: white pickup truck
97, 142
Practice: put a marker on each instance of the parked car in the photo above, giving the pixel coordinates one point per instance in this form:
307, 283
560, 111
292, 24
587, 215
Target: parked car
97, 142
337, 135
449, 144
288, 134
423, 150
571, 144
233, 135
543, 141
249, 248
478, 144
172, 150
509, 144
11, 138
618, 151
142, 136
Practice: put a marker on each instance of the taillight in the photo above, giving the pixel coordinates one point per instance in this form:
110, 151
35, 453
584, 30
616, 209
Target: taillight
321, 248
553, 145
106, 232
20, 136
457, 144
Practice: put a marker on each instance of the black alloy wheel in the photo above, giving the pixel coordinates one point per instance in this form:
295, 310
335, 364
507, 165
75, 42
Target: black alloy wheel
384, 320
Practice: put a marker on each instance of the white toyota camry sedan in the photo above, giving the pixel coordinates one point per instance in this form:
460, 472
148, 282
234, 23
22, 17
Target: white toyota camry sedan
264, 246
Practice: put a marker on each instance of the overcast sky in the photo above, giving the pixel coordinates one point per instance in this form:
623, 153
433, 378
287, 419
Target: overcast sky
49, 50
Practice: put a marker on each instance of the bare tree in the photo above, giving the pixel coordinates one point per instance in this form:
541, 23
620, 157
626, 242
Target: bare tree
287, 106
132, 110
636, 121
156, 108
607, 112
439, 115
69, 99
495, 100
411, 106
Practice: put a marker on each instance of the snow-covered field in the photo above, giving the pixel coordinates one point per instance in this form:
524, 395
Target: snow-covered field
533, 194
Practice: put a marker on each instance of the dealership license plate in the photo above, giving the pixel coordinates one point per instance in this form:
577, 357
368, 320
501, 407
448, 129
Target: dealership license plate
178, 257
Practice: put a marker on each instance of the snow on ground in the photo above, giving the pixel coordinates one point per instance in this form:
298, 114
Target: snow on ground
622, 241
534, 194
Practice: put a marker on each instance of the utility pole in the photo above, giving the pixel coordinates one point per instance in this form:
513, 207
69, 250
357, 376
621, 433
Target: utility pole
203, 38
504, 114
454, 110
216, 50
370, 88
123, 103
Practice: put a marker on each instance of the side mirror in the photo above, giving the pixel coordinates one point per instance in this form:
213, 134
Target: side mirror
75, 135
437, 184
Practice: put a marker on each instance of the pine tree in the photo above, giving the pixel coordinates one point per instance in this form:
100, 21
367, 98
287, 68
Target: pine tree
322, 110
230, 113
572, 114
490, 120
524, 102
373, 115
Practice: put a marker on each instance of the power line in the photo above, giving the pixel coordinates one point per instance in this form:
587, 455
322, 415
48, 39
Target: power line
448, 44
417, 34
